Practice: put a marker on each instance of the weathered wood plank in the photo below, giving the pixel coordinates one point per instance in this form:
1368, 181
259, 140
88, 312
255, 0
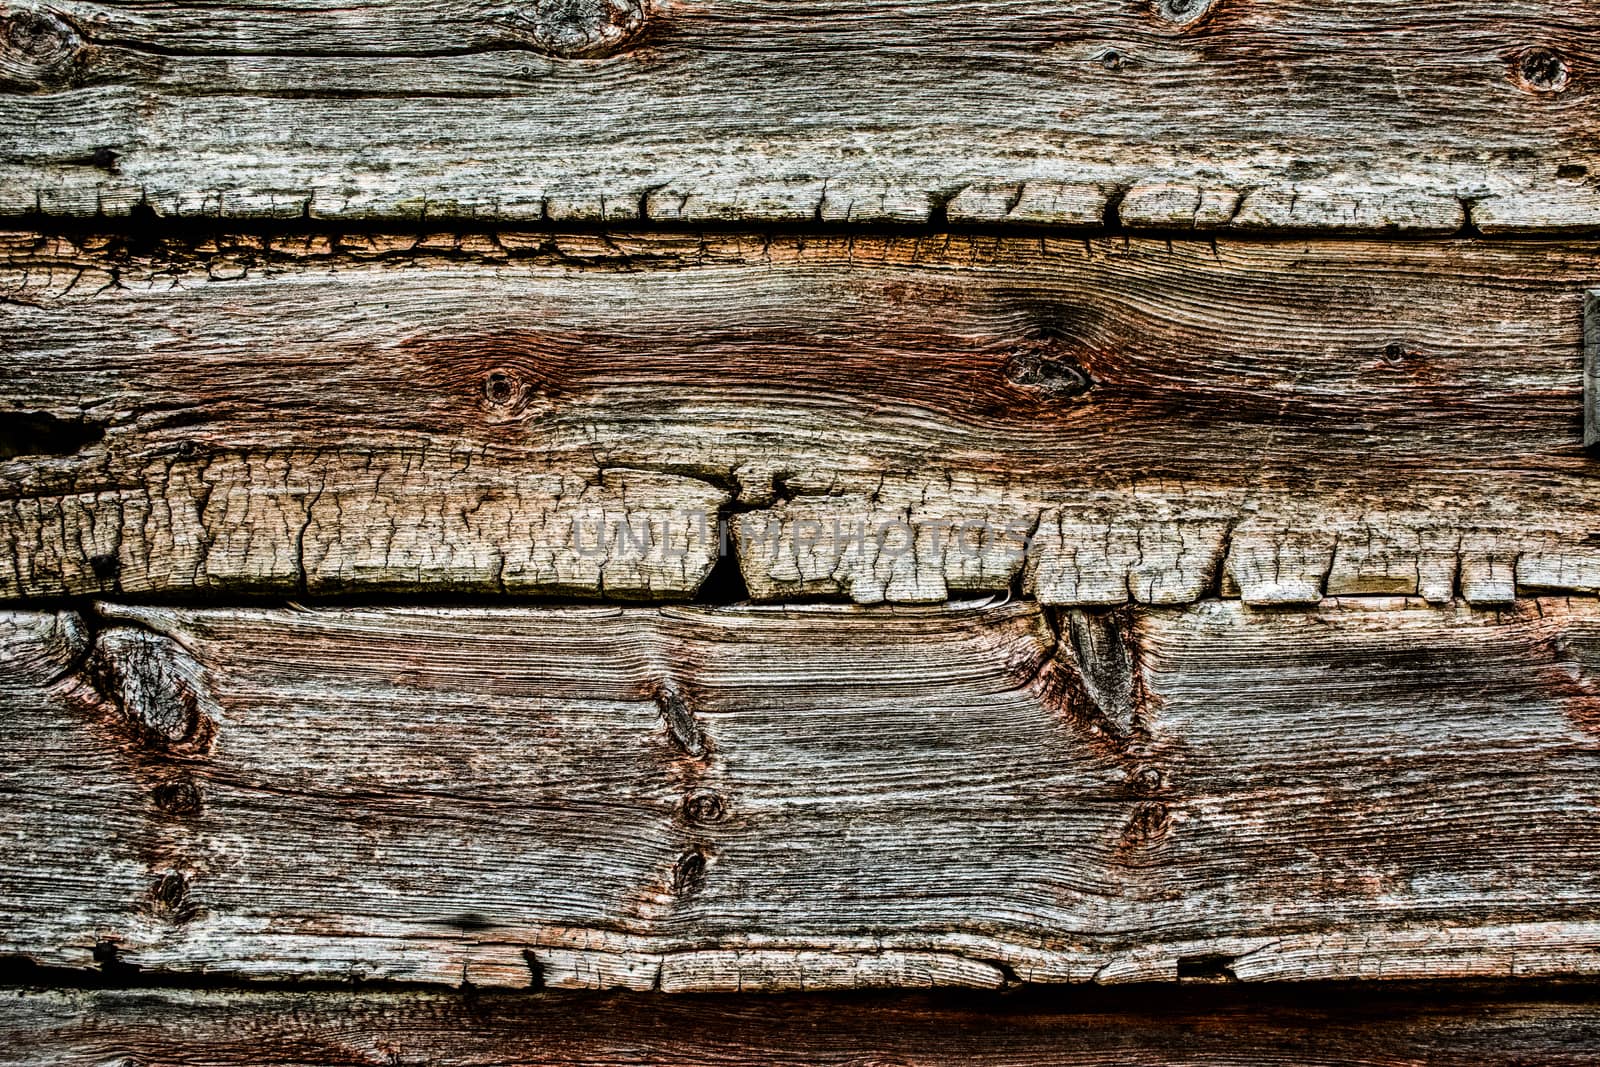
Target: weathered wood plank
1210, 114
801, 798
884, 419
333, 1029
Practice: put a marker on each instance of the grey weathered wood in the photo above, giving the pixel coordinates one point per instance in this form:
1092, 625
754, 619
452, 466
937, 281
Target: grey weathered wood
801, 798
1279, 421
334, 1029
1591, 369
1292, 115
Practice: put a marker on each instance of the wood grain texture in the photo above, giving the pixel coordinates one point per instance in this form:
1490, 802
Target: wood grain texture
697, 799
1209, 114
333, 1029
1091, 421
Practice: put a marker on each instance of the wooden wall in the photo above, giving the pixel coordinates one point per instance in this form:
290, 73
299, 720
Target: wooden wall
600, 531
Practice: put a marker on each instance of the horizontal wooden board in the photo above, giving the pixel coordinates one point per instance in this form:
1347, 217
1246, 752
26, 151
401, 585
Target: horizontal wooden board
1209, 114
332, 1029
701, 799
1090, 421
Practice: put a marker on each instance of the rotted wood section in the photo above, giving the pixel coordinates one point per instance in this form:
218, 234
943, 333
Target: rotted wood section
1177, 114
741, 799
333, 1029
1088, 422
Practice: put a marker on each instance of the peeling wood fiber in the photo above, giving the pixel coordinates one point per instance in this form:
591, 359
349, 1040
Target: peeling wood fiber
1089, 422
802, 798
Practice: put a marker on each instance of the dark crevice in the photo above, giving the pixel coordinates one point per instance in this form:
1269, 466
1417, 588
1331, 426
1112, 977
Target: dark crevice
1008, 974
1111, 216
143, 228
938, 209
725, 584
39, 433
1376, 996
112, 965
111, 971
1212, 967
535, 969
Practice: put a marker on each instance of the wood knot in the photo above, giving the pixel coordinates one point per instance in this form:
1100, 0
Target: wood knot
38, 49
1146, 781
1540, 70
154, 683
169, 898
1148, 824
1181, 13
579, 29
704, 807
682, 726
1397, 355
506, 395
1041, 364
689, 873
180, 797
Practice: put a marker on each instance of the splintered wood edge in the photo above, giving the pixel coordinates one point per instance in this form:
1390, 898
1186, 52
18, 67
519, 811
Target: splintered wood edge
1155, 205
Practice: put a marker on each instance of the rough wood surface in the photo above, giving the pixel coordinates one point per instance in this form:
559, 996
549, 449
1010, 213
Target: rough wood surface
1092, 421
1210, 114
804, 797
333, 1029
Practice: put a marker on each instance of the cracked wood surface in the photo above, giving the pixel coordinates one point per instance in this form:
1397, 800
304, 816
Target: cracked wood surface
1209, 114
884, 419
341, 1029
704, 799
